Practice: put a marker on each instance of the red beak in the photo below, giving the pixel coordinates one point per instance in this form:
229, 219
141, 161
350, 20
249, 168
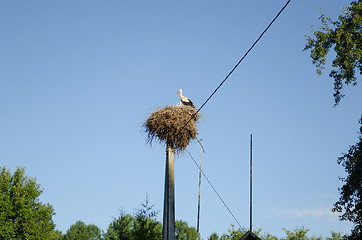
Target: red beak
178, 91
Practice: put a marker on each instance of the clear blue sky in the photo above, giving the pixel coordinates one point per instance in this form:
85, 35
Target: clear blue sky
78, 79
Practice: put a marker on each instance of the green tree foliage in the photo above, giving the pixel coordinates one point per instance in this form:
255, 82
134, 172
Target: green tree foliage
350, 201
55, 235
297, 234
127, 227
82, 231
184, 232
335, 236
236, 233
301, 234
268, 236
22, 215
121, 228
224, 237
346, 38
143, 225
147, 228
233, 233
213, 236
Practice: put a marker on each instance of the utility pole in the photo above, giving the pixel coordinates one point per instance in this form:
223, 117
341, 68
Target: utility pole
198, 206
251, 182
168, 232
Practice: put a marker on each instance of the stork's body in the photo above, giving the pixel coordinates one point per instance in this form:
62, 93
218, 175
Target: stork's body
185, 101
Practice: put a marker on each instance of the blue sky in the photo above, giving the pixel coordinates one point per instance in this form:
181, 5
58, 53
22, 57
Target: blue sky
78, 79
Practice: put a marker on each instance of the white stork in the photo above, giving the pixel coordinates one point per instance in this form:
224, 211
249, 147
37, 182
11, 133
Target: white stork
185, 101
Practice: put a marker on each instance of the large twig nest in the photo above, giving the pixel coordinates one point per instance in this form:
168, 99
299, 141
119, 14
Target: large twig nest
172, 125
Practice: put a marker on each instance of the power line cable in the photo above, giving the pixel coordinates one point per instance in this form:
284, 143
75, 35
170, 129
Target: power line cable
212, 94
247, 52
214, 189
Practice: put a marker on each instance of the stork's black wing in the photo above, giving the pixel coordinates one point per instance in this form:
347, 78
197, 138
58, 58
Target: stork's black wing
188, 103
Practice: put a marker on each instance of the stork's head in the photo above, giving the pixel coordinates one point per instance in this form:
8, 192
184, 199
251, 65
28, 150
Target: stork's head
179, 91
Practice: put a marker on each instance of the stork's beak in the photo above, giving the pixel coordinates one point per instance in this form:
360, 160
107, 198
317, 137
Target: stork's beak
178, 91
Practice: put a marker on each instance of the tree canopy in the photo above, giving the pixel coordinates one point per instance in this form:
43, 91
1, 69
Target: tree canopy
296, 234
82, 231
345, 36
350, 201
22, 215
184, 232
143, 225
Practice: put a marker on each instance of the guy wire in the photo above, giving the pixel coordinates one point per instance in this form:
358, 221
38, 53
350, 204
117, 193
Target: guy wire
214, 189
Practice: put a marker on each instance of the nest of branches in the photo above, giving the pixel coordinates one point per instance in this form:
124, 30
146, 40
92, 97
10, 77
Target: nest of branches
174, 126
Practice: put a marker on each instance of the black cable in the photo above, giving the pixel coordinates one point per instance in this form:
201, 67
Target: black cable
214, 189
247, 52
227, 76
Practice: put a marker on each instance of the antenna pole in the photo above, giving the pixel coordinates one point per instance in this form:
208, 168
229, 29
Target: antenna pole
198, 206
251, 182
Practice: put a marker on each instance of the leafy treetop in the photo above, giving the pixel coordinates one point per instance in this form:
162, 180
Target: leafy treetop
22, 215
350, 201
345, 35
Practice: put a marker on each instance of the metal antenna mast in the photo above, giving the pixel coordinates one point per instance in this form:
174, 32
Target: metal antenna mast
251, 182
198, 206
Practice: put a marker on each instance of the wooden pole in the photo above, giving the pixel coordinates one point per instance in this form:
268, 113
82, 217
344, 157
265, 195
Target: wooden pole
198, 206
168, 232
